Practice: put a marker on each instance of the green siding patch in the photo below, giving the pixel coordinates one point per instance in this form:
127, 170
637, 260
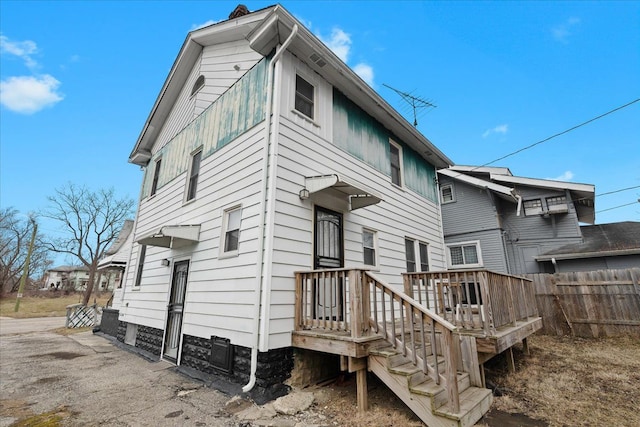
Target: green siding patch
237, 110
360, 135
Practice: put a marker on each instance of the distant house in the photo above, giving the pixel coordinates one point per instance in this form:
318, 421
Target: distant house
603, 247
501, 222
114, 262
67, 277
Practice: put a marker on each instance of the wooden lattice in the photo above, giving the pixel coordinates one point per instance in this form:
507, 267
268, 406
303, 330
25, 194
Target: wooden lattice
80, 316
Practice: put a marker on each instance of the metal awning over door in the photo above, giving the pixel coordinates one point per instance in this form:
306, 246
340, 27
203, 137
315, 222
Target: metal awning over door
171, 236
356, 195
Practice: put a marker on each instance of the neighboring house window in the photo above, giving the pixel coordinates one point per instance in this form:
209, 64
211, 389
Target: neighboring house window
143, 252
446, 193
465, 255
304, 97
424, 256
369, 247
231, 229
156, 174
557, 204
194, 171
532, 207
410, 252
199, 84
396, 163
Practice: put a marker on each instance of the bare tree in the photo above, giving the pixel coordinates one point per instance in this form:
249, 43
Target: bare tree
91, 221
15, 235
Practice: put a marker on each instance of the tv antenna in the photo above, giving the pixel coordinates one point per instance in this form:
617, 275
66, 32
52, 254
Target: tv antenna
414, 102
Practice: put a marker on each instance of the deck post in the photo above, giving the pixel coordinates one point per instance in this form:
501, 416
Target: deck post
361, 387
511, 363
355, 301
525, 346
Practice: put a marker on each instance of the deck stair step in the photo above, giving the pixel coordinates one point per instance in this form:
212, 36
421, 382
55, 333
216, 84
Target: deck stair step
421, 393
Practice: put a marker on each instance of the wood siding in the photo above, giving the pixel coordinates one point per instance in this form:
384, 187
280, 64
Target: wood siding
238, 109
471, 211
216, 63
220, 292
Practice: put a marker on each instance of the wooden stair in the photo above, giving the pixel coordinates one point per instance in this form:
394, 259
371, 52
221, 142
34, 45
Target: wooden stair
423, 396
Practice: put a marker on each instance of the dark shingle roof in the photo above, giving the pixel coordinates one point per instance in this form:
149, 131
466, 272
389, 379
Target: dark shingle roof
617, 236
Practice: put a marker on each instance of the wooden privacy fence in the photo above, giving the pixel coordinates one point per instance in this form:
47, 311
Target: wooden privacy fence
589, 304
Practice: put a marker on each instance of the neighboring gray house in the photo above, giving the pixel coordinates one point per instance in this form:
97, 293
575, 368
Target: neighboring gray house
115, 258
604, 246
494, 220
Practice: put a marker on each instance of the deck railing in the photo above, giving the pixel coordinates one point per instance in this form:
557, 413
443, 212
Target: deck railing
474, 300
355, 303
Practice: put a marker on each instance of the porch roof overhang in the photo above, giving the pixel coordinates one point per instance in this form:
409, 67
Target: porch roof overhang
171, 236
111, 262
357, 196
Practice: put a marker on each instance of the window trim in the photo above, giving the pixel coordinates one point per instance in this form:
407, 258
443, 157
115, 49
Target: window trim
226, 214
392, 143
190, 176
374, 233
422, 263
156, 176
453, 197
475, 243
142, 253
314, 101
533, 211
412, 245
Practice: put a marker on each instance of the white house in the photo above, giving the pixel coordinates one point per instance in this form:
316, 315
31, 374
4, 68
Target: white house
265, 155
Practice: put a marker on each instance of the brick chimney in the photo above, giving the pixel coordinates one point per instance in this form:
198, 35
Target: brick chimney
239, 11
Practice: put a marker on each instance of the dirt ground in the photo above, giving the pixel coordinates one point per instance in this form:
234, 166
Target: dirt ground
564, 382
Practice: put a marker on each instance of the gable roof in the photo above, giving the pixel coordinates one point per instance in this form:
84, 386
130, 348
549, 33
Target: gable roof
118, 253
618, 238
501, 190
264, 30
582, 195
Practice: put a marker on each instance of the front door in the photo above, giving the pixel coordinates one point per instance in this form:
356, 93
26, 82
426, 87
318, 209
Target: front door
328, 253
175, 307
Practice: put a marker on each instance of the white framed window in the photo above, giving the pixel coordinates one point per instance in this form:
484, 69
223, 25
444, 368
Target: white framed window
156, 175
532, 207
395, 152
305, 97
446, 194
410, 254
417, 255
231, 231
464, 255
369, 247
141, 255
194, 172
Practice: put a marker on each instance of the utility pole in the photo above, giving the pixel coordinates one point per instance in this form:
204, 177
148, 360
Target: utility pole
25, 273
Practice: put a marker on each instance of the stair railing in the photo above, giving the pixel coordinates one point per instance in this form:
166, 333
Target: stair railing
422, 336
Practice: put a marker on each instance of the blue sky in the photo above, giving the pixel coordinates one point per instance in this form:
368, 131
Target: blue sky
79, 79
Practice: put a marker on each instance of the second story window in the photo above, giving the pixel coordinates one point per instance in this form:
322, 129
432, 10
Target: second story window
156, 174
532, 207
446, 193
194, 171
304, 97
396, 163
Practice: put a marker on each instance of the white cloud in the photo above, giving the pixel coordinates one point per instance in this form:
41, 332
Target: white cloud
562, 31
566, 176
339, 43
22, 50
365, 72
29, 94
204, 24
503, 129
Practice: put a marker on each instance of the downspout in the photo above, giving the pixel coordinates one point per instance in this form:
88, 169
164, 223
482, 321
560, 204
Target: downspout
265, 193
519, 208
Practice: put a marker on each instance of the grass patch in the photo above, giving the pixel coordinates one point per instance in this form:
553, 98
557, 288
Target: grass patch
583, 382
45, 305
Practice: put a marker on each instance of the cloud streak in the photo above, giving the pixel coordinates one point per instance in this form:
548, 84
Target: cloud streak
562, 31
566, 176
29, 94
500, 129
22, 49
340, 43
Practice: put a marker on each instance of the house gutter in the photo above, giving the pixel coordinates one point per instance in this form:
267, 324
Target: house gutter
267, 194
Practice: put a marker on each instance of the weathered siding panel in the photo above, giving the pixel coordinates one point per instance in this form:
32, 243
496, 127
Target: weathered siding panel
220, 291
360, 135
239, 109
491, 248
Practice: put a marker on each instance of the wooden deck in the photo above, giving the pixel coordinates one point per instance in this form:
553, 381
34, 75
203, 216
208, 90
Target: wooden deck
444, 325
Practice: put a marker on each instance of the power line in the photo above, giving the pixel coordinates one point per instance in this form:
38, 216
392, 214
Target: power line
621, 206
561, 133
617, 191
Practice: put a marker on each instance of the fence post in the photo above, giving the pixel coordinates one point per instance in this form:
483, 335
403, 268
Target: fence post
355, 303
